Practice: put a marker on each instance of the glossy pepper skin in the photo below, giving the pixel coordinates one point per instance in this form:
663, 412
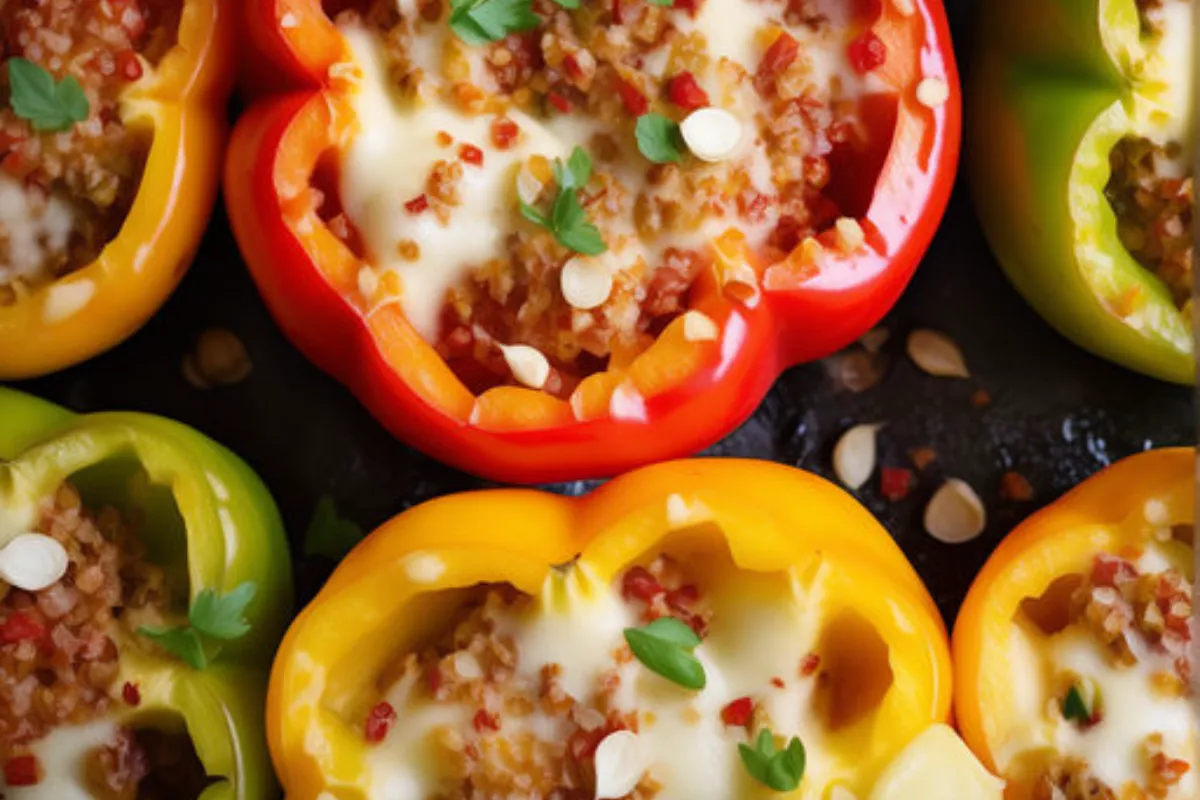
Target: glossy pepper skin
225, 531
769, 517
676, 398
184, 103
1105, 514
1051, 81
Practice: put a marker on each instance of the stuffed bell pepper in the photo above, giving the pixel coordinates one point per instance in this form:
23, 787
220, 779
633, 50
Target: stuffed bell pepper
1072, 665
545, 240
112, 117
703, 629
144, 584
1083, 165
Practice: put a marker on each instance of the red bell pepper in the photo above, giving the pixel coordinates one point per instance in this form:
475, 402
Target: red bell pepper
682, 395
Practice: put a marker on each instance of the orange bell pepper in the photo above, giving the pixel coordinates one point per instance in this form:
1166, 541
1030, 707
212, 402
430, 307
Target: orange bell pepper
183, 103
1021, 645
879, 638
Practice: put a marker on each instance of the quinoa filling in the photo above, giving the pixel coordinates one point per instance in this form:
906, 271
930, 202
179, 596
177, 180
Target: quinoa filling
60, 662
65, 192
624, 86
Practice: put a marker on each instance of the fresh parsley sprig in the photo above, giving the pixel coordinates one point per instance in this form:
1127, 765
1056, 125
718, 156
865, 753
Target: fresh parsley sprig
568, 219
659, 139
781, 770
482, 21
212, 618
665, 647
328, 534
49, 105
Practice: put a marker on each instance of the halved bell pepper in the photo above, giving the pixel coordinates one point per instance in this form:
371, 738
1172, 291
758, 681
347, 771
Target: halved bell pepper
678, 396
1023, 600
1057, 84
207, 519
182, 103
400, 587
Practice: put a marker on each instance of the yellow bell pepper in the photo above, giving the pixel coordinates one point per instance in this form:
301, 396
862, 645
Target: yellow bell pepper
396, 590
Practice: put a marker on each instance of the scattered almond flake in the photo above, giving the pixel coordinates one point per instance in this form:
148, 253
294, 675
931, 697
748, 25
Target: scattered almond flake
955, 514
1014, 486
855, 370
424, 567
699, 327
937, 354
368, 283
619, 765
1156, 512
288, 21
467, 666
922, 457
220, 359
33, 562
854, 455
874, 339
527, 363
850, 236
981, 399
586, 283
529, 186
933, 93
712, 134
906, 7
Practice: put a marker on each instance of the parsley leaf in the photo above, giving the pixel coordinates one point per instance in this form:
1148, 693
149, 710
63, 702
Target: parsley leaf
1075, 708
482, 21
568, 219
328, 534
571, 4
49, 106
663, 3
182, 642
781, 770
665, 647
658, 138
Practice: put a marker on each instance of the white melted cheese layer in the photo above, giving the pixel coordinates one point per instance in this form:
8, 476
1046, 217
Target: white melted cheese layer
62, 754
684, 743
32, 230
390, 158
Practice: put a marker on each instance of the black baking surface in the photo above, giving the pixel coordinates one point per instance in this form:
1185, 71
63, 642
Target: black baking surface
1057, 414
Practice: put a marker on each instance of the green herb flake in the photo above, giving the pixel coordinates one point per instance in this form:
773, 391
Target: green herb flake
182, 642
1075, 708
658, 139
568, 219
663, 3
329, 535
220, 617
665, 648
479, 22
49, 105
780, 770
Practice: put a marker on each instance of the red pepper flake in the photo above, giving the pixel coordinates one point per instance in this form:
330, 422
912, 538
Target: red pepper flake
21, 627
129, 66
417, 204
572, 68
486, 720
867, 52
777, 682
379, 722
1014, 486
504, 132
436, 679
22, 771
635, 102
779, 55
981, 399
686, 5
685, 92
131, 694
922, 457
895, 482
738, 712
809, 665
639, 584
1109, 571
558, 101
471, 155
444, 139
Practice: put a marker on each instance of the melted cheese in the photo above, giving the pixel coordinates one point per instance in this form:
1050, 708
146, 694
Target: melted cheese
61, 754
33, 229
684, 743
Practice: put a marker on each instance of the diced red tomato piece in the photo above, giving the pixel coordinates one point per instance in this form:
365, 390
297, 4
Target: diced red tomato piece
635, 102
685, 92
639, 584
129, 66
22, 771
471, 155
486, 720
417, 204
504, 132
1109, 571
131, 694
683, 598
867, 52
379, 722
779, 55
738, 712
21, 627
559, 102
810, 664
895, 482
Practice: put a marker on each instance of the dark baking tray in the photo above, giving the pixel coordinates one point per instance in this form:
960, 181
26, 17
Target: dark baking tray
1057, 414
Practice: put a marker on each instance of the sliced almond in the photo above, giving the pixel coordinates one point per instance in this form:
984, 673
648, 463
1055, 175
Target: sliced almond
619, 765
933, 93
937, 354
699, 327
955, 514
712, 134
33, 562
527, 363
854, 455
586, 283
850, 236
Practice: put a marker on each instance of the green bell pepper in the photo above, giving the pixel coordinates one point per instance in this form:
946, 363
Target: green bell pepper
210, 523
1057, 84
